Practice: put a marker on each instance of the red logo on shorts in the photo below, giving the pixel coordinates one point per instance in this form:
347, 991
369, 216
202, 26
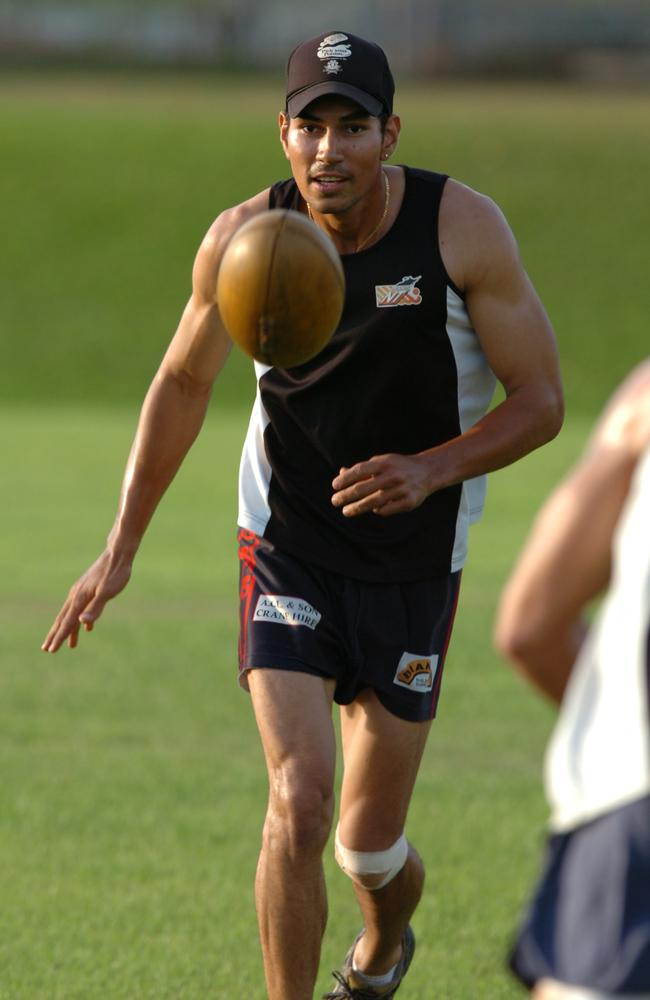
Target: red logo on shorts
248, 543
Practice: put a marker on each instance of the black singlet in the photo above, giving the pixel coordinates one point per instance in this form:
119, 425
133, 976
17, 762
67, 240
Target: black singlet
404, 371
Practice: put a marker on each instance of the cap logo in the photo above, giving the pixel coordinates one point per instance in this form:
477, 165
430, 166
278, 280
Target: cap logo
331, 50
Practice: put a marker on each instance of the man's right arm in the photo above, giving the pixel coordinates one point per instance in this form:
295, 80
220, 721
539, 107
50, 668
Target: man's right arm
171, 417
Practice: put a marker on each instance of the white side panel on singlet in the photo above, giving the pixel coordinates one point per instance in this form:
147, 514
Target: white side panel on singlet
476, 383
599, 754
254, 468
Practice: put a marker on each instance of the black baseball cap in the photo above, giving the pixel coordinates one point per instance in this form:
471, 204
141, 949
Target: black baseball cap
339, 63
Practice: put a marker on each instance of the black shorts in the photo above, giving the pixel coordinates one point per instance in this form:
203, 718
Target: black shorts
389, 637
589, 923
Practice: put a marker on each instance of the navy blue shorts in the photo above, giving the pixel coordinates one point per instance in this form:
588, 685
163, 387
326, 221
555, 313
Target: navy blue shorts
390, 637
589, 922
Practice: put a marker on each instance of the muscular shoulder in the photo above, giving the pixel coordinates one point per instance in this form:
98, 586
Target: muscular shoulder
215, 241
476, 241
625, 424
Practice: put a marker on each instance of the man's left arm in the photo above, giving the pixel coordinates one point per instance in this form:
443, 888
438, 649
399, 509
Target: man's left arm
481, 256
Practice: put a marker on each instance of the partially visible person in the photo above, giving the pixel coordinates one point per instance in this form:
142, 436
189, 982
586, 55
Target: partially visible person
587, 932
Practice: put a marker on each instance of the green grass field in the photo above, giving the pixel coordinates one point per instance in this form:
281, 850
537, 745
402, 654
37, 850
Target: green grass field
133, 787
109, 185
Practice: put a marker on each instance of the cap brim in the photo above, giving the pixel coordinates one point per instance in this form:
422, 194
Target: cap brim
299, 101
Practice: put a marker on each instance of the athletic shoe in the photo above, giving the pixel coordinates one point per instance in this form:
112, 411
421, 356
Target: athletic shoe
350, 986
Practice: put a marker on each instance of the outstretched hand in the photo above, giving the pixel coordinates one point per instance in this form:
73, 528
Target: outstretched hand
85, 602
384, 485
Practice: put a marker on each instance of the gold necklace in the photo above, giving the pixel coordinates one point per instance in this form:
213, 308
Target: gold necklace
379, 224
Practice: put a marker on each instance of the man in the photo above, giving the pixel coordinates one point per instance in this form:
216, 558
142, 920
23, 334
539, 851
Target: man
587, 935
360, 474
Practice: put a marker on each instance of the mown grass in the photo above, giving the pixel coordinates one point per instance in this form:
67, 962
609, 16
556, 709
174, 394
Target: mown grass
108, 185
133, 786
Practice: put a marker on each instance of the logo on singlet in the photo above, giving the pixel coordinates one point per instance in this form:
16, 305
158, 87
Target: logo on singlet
404, 293
416, 673
281, 610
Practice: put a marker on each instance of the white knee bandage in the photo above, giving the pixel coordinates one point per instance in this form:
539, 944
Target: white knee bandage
372, 869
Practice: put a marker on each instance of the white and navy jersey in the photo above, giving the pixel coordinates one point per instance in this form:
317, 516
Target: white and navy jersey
599, 754
403, 372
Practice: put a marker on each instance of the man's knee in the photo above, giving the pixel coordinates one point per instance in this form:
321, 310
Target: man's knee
299, 816
372, 869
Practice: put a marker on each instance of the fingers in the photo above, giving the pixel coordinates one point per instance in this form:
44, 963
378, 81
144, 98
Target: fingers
73, 638
384, 485
61, 629
82, 608
379, 503
394, 507
366, 498
87, 599
68, 623
357, 490
359, 500
364, 505
94, 610
67, 626
357, 473
364, 488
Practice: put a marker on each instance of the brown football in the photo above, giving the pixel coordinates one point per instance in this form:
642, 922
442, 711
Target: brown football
280, 288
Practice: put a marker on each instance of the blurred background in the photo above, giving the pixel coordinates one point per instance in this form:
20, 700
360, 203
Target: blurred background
132, 788
572, 39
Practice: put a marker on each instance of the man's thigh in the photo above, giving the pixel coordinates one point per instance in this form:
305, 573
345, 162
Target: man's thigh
382, 755
293, 712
